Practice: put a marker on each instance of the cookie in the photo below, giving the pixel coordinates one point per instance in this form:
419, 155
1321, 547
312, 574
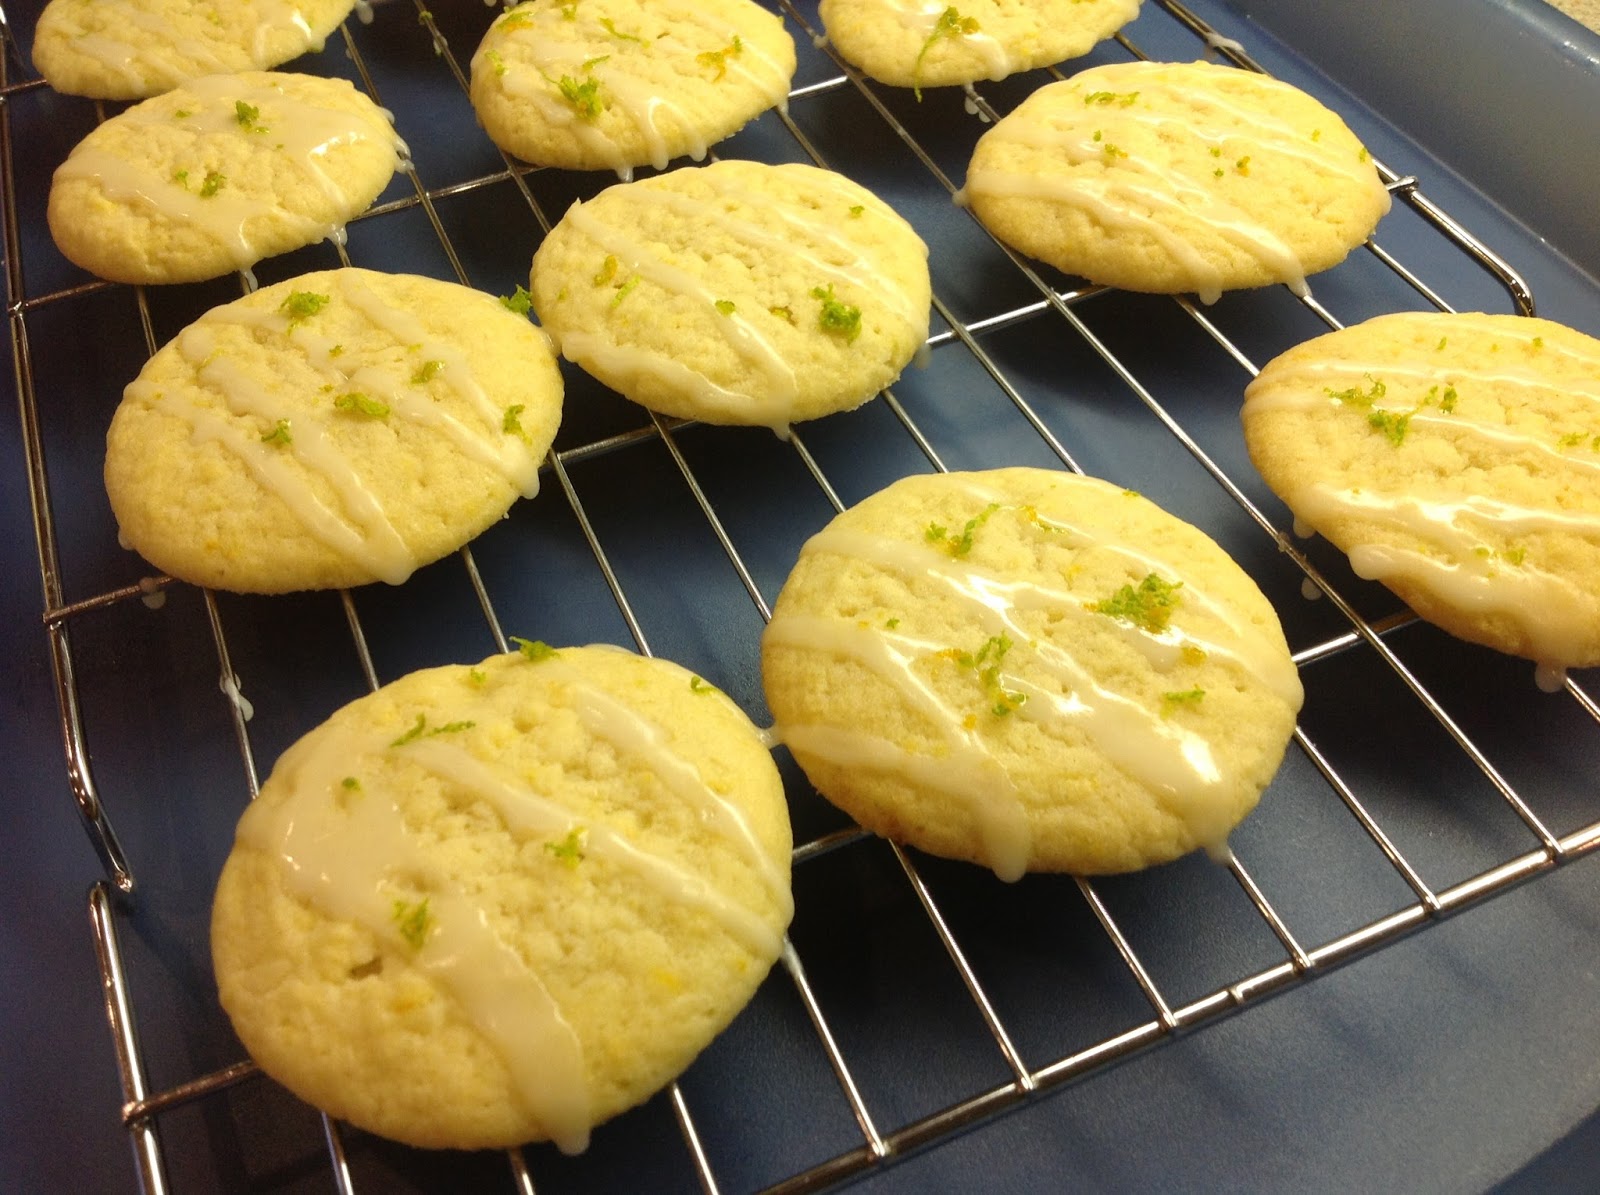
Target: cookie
736, 293
614, 84
220, 173
129, 49
491, 905
1031, 670
918, 45
1169, 178
334, 429
1456, 459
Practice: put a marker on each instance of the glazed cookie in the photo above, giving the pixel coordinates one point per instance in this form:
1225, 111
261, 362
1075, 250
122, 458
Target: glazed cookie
908, 43
1455, 458
331, 430
129, 49
219, 174
736, 293
1168, 177
1030, 670
614, 84
491, 905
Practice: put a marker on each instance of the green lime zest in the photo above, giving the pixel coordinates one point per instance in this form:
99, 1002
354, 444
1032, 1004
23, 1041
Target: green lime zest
959, 545
836, 317
1179, 699
1392, 424
1357, 397
717, 60
247, 115
357, 403
1123, 99
536, 650
279, 436
518, 303
570, 849
1147, 606
951, 24
412, 920
302, 304
610, 27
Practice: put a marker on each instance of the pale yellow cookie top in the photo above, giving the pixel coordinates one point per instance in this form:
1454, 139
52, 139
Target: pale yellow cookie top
737, 293
128, 49
1172, 177
1456, 458
498, 904
333, 429
1030, 670
614, 84
929, 43
219, 173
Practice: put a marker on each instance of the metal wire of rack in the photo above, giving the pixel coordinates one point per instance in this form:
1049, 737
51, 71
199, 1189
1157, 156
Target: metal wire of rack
1033, 303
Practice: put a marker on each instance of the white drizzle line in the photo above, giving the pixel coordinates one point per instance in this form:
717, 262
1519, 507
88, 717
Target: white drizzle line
1113, 197
742, 336
342, 862
1555, 614
1172, 762
528, 814
361, 530
555, 45
631, 734
305, 132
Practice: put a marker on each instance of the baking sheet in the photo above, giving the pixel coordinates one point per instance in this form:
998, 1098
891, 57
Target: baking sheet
1352, 1074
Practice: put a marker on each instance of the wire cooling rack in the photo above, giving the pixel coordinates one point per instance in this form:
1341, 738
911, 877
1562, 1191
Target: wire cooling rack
916, 998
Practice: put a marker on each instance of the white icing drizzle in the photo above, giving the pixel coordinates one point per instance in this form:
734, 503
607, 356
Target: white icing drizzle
637, 258
343, 858
1172, 761
349, 854
806, 235
1550, 678
305, 132
1555, 613
922, 17
530, 815
151, 593
1310, 590
229, 684
1133, 191
165, 58
543, 45
356, 526
631, 734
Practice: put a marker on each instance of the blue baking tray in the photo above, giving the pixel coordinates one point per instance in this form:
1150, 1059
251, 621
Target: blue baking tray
1188, 1028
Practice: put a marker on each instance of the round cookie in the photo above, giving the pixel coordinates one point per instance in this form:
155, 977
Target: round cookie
1455, 458
220, 173
736, 293
1168, 177
909, 44
129, 49
1031, 670
614, 84
334, 429
490, 905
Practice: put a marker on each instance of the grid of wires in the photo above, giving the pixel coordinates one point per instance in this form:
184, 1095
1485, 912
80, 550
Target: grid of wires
1020, 337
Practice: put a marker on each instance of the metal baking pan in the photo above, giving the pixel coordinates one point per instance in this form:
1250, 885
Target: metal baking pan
1191, 1027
